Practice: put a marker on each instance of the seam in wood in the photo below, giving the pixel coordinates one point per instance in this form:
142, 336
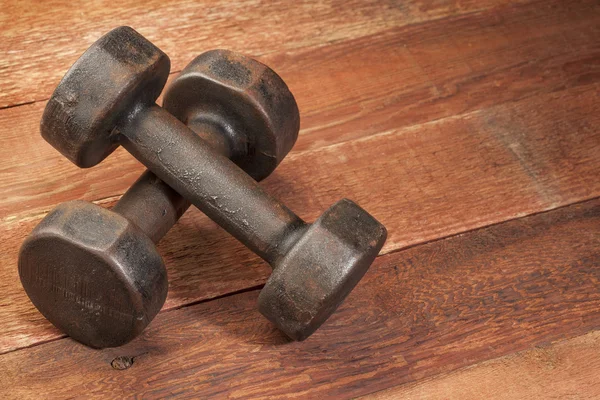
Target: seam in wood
25, 103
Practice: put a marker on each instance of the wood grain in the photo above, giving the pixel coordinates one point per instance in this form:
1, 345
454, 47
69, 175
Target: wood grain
38, 42
430, 309
352, 89
422, 183
565, 370
438, 117
419, 73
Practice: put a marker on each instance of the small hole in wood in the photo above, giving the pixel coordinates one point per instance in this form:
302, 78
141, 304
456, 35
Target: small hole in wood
122, 362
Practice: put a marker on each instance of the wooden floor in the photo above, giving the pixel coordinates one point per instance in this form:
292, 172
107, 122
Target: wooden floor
469, 128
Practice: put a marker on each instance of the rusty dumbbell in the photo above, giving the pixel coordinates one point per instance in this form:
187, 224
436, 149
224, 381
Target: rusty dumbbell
95, 273
107, 98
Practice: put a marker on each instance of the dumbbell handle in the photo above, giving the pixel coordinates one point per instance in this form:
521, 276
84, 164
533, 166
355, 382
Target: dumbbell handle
210, 181
153, 205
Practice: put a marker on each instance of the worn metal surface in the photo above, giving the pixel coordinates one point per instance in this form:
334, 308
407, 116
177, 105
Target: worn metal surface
321, 268
93, 273
315, 266
92, 293
320, 263
229, 93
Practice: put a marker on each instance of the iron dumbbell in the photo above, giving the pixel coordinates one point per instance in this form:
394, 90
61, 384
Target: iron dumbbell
313, 267
107, 98
95, 273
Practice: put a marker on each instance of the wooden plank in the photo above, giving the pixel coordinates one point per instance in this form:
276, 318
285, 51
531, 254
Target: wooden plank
420, 73
352, 89
567, 369
423, 183
37, 46
430, 309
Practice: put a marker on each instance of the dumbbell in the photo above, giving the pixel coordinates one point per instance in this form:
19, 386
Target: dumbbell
107, 98
95, 273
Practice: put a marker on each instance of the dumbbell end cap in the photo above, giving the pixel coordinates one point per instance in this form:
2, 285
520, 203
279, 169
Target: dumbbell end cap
321, 269
119, 71
243, 99
93, 274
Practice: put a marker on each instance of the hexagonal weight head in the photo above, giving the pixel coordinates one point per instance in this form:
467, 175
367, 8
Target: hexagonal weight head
317, 274
87, 270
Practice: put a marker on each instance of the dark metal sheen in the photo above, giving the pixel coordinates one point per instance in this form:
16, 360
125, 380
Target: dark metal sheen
152, 205
240, 109
210, 181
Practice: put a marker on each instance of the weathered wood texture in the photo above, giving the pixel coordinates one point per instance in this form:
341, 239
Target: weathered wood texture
352, 89
438, 179
438, 117
40, 40
419, 312
565, 370
499, 160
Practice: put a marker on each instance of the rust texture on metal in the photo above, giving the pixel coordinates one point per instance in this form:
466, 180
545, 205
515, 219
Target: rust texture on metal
226, 122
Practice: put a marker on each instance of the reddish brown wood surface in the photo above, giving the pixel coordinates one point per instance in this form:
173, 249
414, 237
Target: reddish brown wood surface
352, 89
417, 313
438, 117
440, 178
39, 41
563, 370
